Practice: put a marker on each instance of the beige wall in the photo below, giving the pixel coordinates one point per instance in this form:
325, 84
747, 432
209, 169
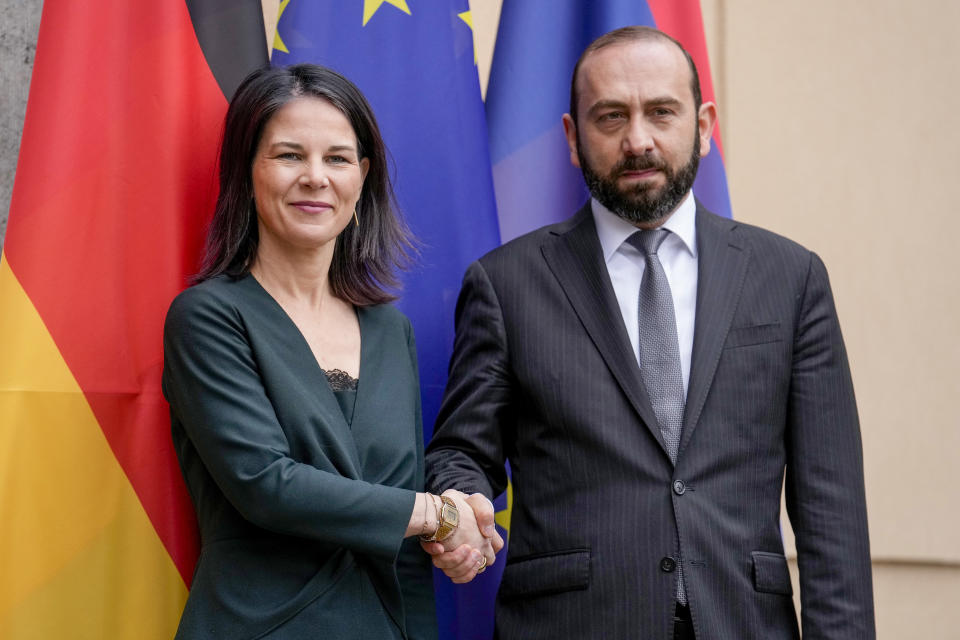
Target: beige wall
838, 132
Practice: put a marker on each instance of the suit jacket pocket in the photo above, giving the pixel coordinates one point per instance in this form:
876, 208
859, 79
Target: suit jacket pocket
543, 574
754, 334
770, 573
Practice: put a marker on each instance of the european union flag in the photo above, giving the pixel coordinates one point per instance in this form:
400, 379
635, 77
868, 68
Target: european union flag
538, 44
414, 61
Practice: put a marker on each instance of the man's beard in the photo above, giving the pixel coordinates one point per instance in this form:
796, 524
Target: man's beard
642, 203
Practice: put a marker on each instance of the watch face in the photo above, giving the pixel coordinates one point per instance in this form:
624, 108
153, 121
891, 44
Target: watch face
450, 515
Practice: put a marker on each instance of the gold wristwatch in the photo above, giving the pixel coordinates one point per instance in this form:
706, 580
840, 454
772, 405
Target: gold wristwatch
448, 521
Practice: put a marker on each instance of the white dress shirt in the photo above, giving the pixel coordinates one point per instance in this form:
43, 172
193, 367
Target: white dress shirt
678, 255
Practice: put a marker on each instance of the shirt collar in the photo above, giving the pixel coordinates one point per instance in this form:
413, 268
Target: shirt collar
613, 230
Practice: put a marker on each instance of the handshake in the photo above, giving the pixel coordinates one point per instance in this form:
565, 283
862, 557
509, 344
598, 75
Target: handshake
473, 545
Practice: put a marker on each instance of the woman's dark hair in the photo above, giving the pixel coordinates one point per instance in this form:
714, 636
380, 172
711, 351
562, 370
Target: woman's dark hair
365, 258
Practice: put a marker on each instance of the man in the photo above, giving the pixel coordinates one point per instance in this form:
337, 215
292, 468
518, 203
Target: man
653, 373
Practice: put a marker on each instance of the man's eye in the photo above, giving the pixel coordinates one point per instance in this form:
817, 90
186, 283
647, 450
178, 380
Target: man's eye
613, 115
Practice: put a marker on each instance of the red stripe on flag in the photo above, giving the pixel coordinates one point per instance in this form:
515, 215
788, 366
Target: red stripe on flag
114, 185
683, 20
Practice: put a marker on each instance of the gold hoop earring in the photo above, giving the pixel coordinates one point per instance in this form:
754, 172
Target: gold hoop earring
355, 218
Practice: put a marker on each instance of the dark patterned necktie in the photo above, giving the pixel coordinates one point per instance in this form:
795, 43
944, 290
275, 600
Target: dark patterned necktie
660, 352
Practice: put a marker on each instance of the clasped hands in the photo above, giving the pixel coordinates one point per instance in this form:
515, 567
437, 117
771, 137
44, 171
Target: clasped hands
461, 555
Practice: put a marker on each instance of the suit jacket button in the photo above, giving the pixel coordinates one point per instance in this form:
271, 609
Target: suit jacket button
679, 487
668, 564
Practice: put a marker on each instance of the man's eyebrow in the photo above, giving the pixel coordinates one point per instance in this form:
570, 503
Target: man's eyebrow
600, 105
663, 101
659, 101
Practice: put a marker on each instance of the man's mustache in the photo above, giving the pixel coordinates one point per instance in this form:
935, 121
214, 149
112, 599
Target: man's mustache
638, 163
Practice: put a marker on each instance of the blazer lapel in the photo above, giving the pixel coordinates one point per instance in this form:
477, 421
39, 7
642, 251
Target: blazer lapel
374, 372
319, 394
574, 255
722, 267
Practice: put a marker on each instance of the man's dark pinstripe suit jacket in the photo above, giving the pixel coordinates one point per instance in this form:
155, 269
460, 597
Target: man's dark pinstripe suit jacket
543, 375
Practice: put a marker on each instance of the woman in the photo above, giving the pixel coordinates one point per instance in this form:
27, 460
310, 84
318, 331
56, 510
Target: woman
293, 386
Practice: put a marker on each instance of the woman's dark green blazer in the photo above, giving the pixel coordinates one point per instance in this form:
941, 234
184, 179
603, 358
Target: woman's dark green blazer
302, 515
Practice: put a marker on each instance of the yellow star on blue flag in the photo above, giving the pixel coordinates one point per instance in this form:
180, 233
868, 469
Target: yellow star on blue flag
467, 17
370, 7
502, 517
278, 44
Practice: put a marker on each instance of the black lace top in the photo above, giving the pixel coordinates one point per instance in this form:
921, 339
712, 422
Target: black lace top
345, 390
340, 380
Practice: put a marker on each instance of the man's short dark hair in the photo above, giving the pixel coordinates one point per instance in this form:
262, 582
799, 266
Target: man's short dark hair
633, 34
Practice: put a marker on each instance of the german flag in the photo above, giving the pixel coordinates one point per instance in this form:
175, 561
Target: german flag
115, 183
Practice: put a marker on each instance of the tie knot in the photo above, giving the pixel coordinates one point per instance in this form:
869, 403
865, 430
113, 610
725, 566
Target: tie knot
648, 240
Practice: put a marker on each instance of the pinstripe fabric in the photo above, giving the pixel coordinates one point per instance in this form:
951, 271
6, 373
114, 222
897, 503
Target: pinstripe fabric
543, 375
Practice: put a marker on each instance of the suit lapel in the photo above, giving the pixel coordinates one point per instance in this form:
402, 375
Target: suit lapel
574, 255
722, 266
